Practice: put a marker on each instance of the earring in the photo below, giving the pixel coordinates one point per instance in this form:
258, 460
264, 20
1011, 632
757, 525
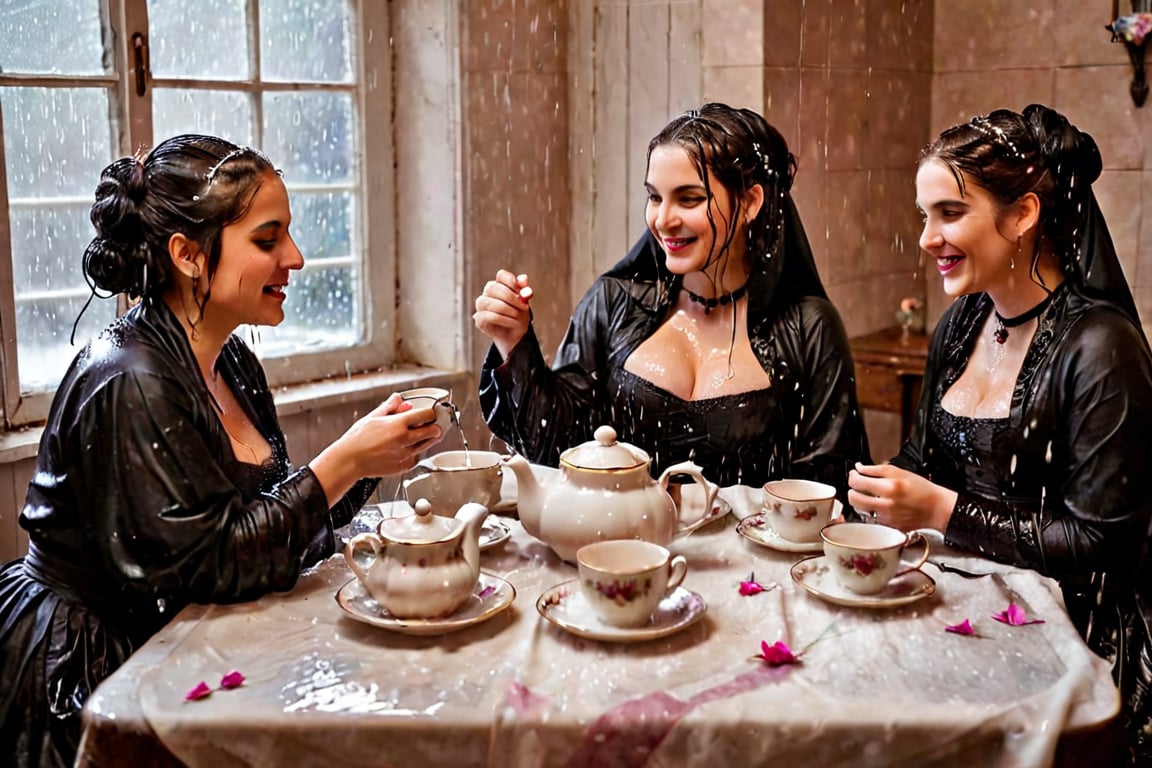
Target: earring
1019, 246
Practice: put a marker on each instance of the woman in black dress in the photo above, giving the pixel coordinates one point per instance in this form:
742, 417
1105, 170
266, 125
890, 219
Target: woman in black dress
162, 476
1031, 441
712, 341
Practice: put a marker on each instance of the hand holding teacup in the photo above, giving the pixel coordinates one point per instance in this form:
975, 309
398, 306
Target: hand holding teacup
437, 402
864, 557
624, 580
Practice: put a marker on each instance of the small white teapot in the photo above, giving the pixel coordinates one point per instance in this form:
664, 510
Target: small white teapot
604, 491
423, 566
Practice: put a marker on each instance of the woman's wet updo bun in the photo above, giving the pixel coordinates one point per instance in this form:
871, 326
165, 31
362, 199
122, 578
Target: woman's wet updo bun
191, 184
117, 253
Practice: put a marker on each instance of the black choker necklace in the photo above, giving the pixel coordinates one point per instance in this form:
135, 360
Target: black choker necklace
1004, 323
710, 304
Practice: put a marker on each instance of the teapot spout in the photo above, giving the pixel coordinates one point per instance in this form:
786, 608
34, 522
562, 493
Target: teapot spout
473, 516
529, 493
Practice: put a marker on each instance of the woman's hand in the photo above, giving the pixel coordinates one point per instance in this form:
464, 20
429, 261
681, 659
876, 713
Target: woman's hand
502, 310
387, 441
899, 498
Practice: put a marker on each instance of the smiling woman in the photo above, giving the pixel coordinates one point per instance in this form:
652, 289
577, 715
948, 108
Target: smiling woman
162, 476
712, 341
1031, 439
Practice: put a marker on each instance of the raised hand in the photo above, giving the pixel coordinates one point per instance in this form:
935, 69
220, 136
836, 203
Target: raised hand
502, 310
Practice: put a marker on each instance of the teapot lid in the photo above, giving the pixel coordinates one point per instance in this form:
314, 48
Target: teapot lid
420, 528
604, 453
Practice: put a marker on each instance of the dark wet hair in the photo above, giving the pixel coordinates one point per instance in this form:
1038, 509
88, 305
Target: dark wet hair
1010, 154
742, 150
191, 184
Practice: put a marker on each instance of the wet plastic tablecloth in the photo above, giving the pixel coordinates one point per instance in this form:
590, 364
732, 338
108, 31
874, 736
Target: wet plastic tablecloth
879, 688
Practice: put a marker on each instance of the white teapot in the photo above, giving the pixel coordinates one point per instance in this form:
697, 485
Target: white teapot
423, 566
604, 491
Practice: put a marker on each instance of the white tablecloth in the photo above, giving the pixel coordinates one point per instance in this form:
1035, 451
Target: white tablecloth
879, 688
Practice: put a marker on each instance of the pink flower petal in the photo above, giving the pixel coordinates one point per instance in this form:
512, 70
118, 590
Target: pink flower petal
776, 655
751, 586
1014, 616
232, 680
748, 588
963, 628
201, 691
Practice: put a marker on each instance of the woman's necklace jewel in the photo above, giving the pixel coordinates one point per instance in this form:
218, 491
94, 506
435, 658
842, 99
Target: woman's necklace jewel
1004, 323
710, 304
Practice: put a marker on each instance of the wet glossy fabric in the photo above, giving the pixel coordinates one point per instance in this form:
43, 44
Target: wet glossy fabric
137, 508
1065, 490
815, 430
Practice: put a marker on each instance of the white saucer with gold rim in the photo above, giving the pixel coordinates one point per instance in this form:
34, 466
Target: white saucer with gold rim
814, 575
564, 606
758, 530
490, 596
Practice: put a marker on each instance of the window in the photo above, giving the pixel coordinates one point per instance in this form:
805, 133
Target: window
85, 81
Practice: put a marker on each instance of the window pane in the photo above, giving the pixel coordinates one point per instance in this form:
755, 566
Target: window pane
305, 40
318, 315
310, 135
323, 306
206, 38
44, 326
59, 37
48, 244
57, 140
217, 113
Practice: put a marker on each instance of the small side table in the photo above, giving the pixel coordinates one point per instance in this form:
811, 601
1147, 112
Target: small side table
890, 371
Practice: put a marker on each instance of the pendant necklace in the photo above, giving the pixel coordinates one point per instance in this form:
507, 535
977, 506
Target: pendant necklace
710, 304
1004, 323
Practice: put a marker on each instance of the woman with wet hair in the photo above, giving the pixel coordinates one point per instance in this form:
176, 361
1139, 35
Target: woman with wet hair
162, 476
1031, 441
712, 341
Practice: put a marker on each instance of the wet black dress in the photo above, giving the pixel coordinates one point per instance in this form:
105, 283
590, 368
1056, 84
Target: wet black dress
1059, 485
807, 424
139, 507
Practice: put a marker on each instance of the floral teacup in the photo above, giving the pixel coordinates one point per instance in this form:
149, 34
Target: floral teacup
864, 557
624, 580
798, 509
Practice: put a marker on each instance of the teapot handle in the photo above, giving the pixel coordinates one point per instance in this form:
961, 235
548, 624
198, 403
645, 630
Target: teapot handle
710, 491
371, 540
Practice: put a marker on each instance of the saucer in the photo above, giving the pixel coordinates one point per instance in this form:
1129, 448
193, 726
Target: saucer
814, 575
692, 501
758, 530
564, 605
493, 531
491, 595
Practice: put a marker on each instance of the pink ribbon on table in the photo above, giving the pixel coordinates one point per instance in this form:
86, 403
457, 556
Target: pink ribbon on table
626, 735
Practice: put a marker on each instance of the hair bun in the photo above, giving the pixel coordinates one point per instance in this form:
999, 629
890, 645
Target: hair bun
1070, 154
108, 265
119, 226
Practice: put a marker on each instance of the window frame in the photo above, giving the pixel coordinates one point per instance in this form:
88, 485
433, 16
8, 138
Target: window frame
130, 124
